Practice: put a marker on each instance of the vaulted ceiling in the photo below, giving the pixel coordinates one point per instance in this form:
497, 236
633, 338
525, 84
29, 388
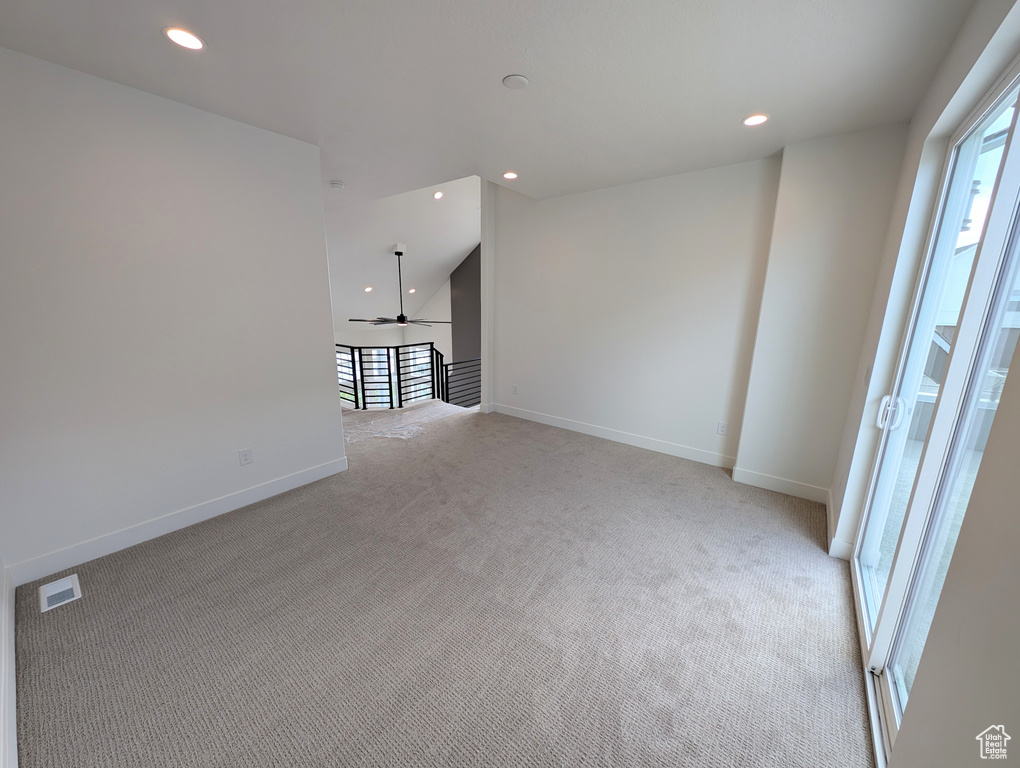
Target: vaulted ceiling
438, 234
400, 95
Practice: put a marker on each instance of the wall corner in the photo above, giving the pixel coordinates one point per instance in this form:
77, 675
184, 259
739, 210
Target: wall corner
488, 279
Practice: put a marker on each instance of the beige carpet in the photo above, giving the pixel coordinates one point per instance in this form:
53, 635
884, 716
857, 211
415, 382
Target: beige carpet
492, 592
403, 423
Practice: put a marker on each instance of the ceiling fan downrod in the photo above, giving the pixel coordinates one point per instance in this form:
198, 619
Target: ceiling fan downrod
401, 319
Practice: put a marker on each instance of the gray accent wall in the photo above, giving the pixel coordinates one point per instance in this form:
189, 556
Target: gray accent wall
466, 307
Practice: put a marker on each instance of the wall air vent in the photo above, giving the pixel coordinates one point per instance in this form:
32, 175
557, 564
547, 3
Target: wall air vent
57, 593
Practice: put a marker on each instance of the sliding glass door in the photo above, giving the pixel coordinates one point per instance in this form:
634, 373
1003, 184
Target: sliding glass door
981, 399
906, 415
955, 357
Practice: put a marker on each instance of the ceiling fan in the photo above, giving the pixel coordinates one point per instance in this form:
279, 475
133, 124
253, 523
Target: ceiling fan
401, 319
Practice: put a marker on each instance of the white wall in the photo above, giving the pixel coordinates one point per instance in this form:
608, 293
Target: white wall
987, 42
629, 312
437, 308
969, 678
831, 218
365, 335
164, 301
490, 194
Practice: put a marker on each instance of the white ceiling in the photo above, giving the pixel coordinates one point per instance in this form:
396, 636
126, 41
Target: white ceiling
438, 235
401, 94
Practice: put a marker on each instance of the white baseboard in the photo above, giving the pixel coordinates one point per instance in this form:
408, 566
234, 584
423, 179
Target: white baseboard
844, 550
8, 716
830, 515
487, 408
835, 548
651, 443
76, 554
782, 485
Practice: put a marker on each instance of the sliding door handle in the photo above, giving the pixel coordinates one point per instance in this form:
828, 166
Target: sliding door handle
890, 407
898, 409
883, 411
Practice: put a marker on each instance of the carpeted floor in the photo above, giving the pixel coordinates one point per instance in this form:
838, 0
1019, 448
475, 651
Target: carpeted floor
402, 423
491, 592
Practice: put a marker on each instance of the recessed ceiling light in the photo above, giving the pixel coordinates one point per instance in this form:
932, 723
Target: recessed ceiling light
438, 195
368, 289
515, 82
336, 184
412, 290
510, 175
184, 38
755, 120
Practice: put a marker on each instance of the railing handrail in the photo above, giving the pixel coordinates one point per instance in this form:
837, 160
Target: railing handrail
383, 346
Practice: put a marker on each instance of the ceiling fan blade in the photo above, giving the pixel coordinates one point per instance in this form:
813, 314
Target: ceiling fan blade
423, 320
361, 320
419, 322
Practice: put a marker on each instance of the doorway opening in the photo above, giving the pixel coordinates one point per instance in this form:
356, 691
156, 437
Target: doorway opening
395, 364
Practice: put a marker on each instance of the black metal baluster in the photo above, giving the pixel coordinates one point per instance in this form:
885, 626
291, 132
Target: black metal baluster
364, 386
354, 378
400, 391
432, 349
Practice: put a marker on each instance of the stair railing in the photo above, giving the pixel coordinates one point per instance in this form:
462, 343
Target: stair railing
392, 377
463, 382
388, 377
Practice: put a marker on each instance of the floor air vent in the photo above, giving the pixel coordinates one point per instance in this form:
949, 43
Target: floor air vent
57, 593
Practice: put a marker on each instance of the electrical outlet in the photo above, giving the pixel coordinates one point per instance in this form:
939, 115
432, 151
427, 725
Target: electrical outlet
515, 389
244, 456
721, 428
